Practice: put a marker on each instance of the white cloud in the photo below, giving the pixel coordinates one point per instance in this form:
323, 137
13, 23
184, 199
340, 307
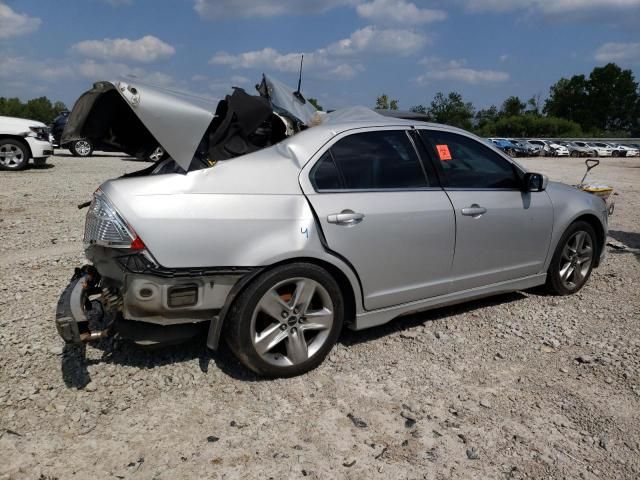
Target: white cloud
400, 12
374, 40
239, 80
146, 49
457, 71
549, 6
222, 9
619, 52
118, 3
504, 57
16, 67
338, 59
95, 71
13, 24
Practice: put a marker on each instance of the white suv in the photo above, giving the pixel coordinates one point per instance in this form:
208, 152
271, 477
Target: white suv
21, 140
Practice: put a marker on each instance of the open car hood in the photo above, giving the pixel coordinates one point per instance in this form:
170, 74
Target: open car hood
135, 118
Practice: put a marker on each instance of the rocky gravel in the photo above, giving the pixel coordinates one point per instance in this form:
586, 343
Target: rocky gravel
517, 386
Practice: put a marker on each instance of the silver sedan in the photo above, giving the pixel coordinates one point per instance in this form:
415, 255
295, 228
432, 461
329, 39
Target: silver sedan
274, 227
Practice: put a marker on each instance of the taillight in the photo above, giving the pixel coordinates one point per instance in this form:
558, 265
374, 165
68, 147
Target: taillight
105, 226
137, 244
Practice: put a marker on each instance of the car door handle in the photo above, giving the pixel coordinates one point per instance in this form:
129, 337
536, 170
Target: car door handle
474, 210
346, 217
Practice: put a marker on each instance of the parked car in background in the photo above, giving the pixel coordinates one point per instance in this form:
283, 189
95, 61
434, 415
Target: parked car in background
550, 148
601, 149
78, 148
84, 147
625, 151
576, 150
530, 149
22, 140
287, 235
509, 147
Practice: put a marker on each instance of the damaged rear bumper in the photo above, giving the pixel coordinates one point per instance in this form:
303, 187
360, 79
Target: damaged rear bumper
72, 321
147, 307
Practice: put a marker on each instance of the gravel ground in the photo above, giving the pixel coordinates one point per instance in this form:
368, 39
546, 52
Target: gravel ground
517, 386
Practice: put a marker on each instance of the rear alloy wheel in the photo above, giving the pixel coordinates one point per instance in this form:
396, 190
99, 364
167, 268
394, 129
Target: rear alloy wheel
81, 148
573, 260
157, 154
286, 322
14, 155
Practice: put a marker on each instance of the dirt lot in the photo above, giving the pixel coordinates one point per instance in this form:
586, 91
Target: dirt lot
519, 386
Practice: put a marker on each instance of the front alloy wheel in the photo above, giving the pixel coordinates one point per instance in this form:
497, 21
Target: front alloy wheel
287, 320
573, 260
13, 155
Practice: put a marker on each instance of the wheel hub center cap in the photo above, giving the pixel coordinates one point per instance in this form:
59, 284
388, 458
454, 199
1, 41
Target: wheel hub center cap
292, 321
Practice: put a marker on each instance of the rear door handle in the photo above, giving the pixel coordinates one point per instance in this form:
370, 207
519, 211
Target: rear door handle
346, 217
474, 211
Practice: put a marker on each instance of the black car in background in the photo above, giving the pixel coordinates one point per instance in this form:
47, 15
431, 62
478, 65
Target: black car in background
79, 148
85, 147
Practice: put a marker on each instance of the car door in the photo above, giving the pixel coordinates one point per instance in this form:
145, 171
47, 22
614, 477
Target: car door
386, 214
502, 232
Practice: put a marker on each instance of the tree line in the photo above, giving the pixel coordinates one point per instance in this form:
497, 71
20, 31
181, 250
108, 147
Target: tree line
40, 109
606, 103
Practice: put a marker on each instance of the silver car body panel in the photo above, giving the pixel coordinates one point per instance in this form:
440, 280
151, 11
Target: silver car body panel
284, 99
403, 249
509, 241
146, 298
178, 121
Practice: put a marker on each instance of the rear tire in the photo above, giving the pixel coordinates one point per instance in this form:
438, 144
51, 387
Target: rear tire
286, 321
81, 148
14, 155
573, 260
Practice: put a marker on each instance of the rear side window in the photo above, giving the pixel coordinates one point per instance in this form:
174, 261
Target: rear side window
371, 160
467, 163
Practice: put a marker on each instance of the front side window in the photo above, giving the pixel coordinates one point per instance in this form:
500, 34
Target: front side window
467, 163
370, 161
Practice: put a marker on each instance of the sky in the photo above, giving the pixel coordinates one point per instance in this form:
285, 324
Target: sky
354, 50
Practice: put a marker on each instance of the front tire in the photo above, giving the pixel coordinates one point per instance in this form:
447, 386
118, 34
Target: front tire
81, 148
286, 321
14, 155
573, 260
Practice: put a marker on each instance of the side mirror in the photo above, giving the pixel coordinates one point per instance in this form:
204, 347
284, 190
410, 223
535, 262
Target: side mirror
534, 182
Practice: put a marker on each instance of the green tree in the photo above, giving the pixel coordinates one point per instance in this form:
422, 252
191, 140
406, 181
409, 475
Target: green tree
486, 116
383, 103
451, 110
531, 126
39, 109
512, 107
314, 102
568, 98
418, 109
613, 99
607, 101
533, 105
